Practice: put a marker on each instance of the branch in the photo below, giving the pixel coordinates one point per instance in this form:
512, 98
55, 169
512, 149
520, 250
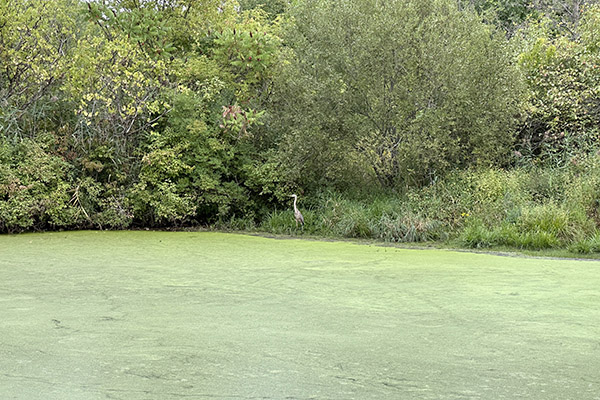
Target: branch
75, 200
187, 10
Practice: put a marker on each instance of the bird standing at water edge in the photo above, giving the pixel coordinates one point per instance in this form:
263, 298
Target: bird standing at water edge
297, 213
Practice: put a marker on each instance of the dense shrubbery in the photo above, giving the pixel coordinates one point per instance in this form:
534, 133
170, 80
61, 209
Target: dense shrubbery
523, 208
401, 121
34, 189
143, 111
563, 76
404, 90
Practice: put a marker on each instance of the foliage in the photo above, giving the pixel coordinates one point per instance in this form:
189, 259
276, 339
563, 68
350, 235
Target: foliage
104, 205
248, 48
335, 215
40, 190
389, 119
115, 85
563, 76
273, 8
588, 245
522, 208
508, 14
511, 15
34, 189
191, 170
36, 39
408, 89
143, 26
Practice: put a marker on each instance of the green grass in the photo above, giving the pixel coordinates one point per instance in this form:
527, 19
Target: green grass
522, 209
165, 315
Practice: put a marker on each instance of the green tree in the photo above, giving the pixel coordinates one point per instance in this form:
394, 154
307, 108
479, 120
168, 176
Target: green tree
36, 40
510, 15
563, 77
198, 159
408, 88
513, 15
273, 8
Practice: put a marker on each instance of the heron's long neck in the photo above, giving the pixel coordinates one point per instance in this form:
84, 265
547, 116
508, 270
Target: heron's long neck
295, 198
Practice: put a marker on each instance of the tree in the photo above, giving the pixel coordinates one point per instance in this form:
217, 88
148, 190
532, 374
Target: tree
273, 8
563, 79
36, 38
410, 88
513, 15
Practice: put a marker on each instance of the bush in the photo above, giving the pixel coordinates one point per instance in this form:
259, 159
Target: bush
35, 192
588, 245
408, 228
405, 90
101, 205
563, 74
192, 172
40, 190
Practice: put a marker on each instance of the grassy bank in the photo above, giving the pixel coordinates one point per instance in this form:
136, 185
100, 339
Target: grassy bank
521, 209
528, 208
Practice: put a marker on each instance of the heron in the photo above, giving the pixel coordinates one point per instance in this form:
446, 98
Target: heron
297, 213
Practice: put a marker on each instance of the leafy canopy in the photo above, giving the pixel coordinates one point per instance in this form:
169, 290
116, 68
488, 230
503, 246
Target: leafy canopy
409, 88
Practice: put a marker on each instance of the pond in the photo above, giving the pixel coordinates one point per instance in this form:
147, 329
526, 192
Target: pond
203, 315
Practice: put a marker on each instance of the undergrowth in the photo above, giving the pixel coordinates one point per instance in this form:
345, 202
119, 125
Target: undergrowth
523, 208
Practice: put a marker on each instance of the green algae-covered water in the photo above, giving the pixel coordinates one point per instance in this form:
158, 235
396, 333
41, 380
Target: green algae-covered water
156, 315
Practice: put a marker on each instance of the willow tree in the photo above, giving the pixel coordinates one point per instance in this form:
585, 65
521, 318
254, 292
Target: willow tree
405, 89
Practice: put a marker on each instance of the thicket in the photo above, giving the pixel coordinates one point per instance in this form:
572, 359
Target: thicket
528, 208
150, 108
473, 121
397, 91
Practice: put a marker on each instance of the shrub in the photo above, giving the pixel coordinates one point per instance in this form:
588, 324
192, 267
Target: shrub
192, 172
408, 228
562, 74
101, 205
35, 192
164, 193
587, 245
405, 89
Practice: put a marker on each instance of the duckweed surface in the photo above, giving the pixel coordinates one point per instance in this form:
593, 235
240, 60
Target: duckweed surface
159, 315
